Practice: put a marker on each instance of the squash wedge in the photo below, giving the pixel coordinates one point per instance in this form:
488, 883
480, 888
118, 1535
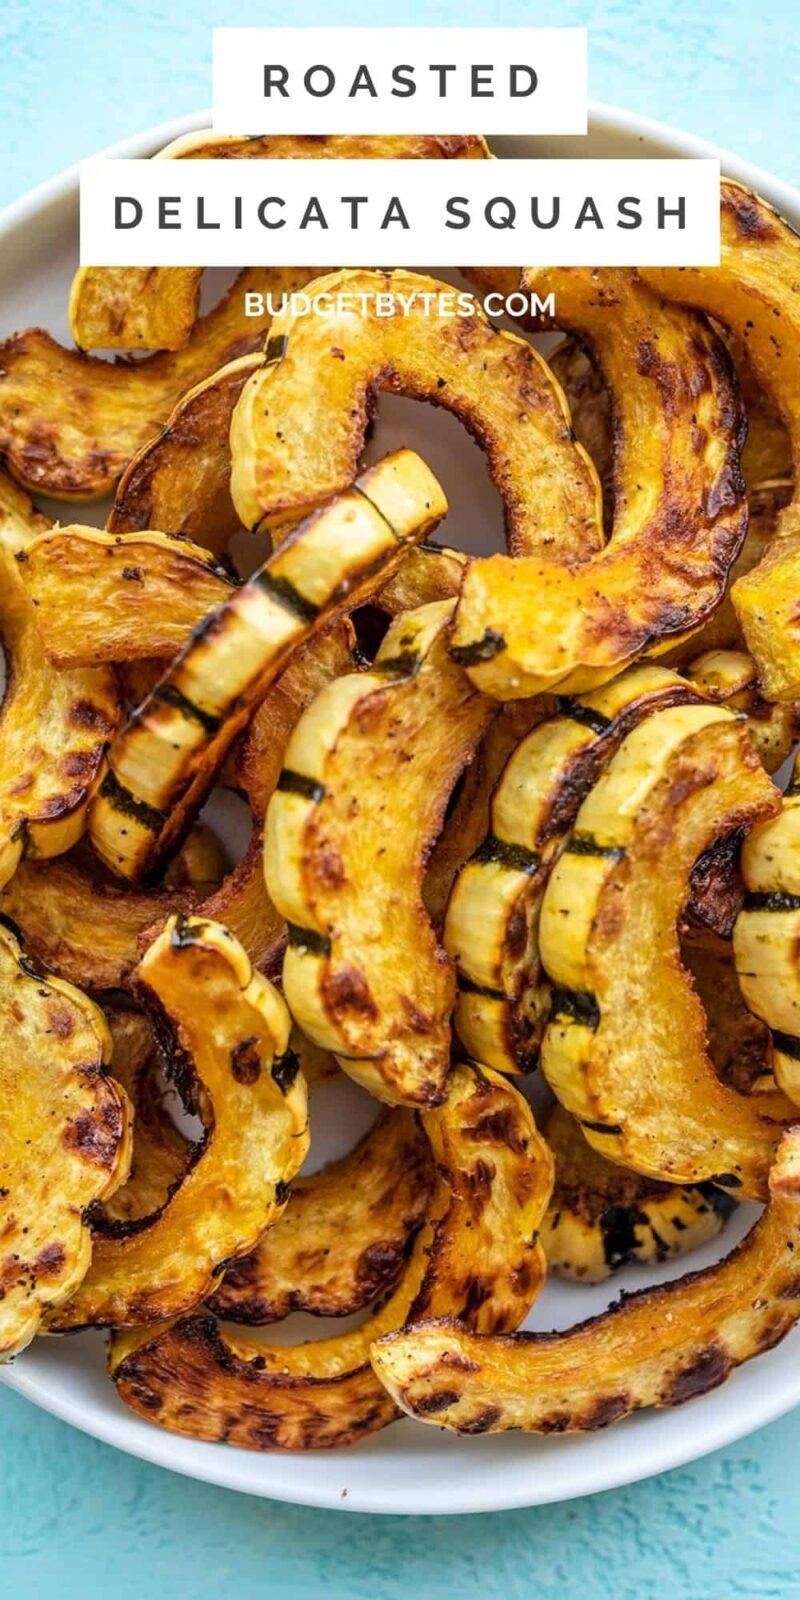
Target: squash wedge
290, 453
154, 308
602, 1217
163, 762
369, 769
766, 937
54, 726
476, 1256
527, 626
729, 677
622, 998
343, 1239
65, 1140
659, 1347
226, 1035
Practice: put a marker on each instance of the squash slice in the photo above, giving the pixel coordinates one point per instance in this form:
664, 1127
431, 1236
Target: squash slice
602, 1217
723, 631
766, 937
154, 308
290, 453
659, 1347
368, 772
64, 1140
54, 726
527, 626
343, 1239
476, 1256
70, 423
165, 759
729, 677
625, 1048
226, 1035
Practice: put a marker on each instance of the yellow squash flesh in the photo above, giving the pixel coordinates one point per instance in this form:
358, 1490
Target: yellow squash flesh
766, 937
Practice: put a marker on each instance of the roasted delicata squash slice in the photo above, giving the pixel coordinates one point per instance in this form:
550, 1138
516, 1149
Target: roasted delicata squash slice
622, 998
64, 1140
226, 1032
290, 455
602, 1217
70, 423
54, 726
343, 1239
165, 759
766, 937
723, 631
367, 775
476, 1257
659, 1347
729, 677
154, 308
531, 625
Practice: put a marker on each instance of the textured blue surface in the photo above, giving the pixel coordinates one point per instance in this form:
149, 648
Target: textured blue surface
75, 1517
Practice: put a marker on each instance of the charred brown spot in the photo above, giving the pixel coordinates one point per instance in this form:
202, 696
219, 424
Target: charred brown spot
497, 1127
485, 1420
246, 1061
429, 1404
708, 1369
50, 1260
96, 1136
348, 990
607, 1410
60, 1017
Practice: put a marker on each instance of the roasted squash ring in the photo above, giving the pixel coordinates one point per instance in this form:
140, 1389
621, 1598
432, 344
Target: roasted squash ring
602, 1217
164, 761
477, 1255
368, 772
622, 997
527, 626
154, 308
342, 1241
64, 1140
729, 677
54, 726
289, 455
226, 1033
766, 937
659, 1347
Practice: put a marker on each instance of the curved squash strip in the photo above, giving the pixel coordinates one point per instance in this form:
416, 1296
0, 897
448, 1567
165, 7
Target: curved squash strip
154, 308
368, 772
164, 761
226, 1032
492, 922
622, 998
342, 1241
729, 677
523, 627
161, 1154
70, 423
289, 456
64, 1140
754, 293
119, 597
659, 1347
475, 1257
54, 726
766, 937
602, 1217
181, 480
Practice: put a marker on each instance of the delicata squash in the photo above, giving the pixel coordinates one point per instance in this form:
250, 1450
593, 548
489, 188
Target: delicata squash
226, 1036
766, 937
367, 774
622, 997
64, 1139
476, 1256
659, 1347
163, 762
545, 621
729, 677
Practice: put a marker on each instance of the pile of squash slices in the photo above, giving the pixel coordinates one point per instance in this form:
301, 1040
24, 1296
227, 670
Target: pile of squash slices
510, 815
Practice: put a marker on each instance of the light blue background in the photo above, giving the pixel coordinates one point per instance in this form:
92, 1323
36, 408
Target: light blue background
75, 1517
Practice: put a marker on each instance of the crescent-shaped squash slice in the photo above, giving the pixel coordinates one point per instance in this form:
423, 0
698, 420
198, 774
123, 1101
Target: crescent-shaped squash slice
625, 1047
753, 291
729, 677
369, 769
54, 726
165, 759
602, 1217
289, 454
526, 626
70, 423
766, 937
345, 1234
226, 1035
659, 1347
154, 308
64, 1140
476, 1257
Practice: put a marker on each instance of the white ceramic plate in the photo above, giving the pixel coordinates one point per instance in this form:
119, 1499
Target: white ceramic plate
408, 1468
